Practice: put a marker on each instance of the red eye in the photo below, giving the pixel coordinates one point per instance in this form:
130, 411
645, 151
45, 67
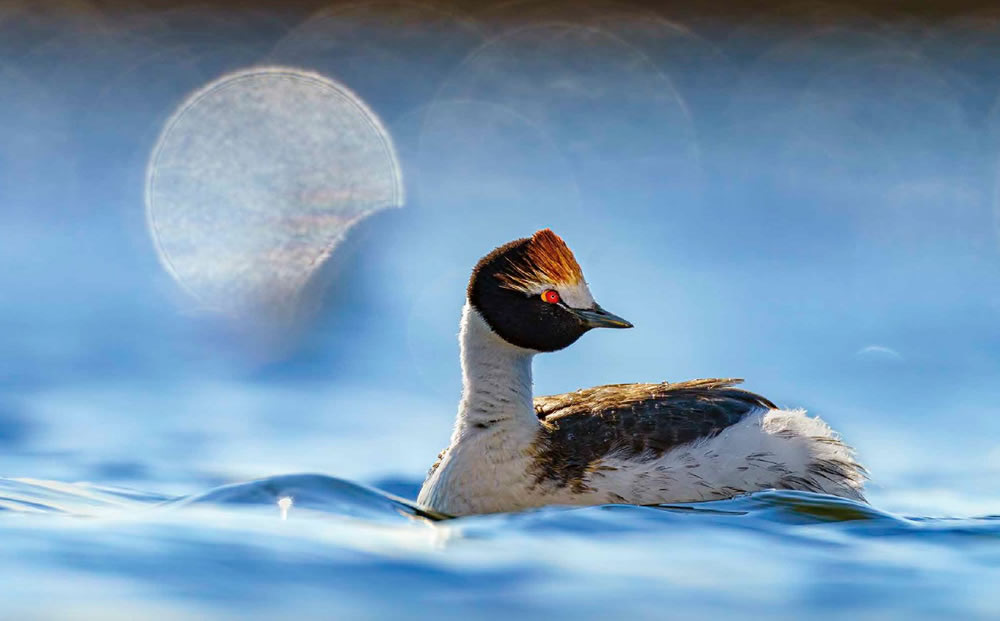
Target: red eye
551, 296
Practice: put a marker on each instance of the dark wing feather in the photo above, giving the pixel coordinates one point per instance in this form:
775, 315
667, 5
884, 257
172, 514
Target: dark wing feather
582, 427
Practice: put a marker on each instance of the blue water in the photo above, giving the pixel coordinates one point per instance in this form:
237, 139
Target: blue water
350, 551
798, 195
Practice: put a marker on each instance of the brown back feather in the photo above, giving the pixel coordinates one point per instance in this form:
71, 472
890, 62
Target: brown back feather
632, 420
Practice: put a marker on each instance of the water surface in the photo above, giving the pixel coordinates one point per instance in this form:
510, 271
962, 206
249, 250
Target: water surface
345, 550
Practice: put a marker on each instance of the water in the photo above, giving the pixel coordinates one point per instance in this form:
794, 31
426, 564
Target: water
799, 195
347, 550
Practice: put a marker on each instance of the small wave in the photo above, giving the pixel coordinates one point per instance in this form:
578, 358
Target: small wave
323, 494
311, 492
336, 546
40, 496
315, 496
315, 492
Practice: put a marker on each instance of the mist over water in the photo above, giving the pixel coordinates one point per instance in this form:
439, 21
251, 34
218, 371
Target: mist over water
802, 194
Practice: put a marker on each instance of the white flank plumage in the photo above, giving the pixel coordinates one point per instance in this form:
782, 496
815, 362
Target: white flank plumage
488, 466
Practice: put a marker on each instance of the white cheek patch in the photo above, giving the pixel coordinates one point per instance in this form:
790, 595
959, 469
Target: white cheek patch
574, 295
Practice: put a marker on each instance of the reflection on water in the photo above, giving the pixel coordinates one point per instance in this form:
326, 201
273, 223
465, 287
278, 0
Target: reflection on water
800, 194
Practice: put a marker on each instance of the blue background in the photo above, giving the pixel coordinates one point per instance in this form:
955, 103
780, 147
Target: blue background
801, 195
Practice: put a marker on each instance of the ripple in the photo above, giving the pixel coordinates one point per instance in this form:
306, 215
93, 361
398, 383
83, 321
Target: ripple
315, 492
331, 544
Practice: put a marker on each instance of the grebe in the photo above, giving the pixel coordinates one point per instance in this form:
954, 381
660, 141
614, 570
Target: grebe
622, 443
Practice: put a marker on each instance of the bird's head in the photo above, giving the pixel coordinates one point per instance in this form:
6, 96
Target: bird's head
532, 294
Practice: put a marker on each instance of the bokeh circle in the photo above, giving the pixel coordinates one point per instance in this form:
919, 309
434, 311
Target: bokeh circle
255, 179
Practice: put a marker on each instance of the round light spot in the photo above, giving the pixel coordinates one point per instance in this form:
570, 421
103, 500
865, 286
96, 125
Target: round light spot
256, 178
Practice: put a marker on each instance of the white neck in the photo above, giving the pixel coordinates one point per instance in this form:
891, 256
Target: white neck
484, 468
496, 380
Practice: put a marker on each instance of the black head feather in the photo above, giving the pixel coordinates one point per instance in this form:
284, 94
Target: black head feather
520, 318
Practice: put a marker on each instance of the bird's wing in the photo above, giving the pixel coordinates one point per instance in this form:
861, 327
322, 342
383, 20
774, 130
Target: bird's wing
633, 420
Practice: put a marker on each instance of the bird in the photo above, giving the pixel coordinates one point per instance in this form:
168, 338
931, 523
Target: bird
638, 444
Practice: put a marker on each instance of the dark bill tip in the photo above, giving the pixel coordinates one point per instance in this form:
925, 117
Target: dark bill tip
597, 317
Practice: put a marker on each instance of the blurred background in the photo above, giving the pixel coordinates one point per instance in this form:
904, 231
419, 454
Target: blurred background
799, 193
